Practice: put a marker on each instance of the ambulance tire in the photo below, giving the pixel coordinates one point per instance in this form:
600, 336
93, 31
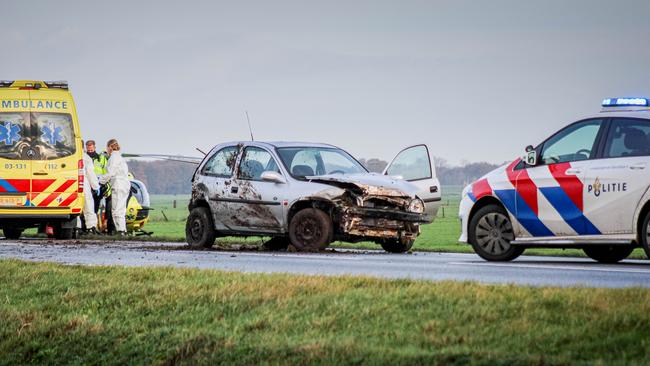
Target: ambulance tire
490, 233
12, 233
608, 253
199, 229
645, 235
62, 233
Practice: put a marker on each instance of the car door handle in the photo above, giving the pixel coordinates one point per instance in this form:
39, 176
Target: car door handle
638, 166
574, 171
234, 189
433, 189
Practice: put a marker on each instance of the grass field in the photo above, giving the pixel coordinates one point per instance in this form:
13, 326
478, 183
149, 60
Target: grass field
55, 314
440, 236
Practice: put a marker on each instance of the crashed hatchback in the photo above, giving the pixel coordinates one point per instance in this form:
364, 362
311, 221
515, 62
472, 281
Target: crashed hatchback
308, 195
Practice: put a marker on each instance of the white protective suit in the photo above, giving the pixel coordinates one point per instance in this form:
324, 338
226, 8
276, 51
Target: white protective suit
117, 173
90, 184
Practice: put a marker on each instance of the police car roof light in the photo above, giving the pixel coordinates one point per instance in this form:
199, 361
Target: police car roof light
626, 102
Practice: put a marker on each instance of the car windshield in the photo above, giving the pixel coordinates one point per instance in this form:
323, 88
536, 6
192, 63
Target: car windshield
39, 136
308, 161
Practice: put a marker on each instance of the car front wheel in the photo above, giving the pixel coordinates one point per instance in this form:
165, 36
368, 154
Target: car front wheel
490, 233
199, 230
645, 235
310, 230
608, 253
397, 246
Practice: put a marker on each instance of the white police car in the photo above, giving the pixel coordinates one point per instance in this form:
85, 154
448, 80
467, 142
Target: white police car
586, 186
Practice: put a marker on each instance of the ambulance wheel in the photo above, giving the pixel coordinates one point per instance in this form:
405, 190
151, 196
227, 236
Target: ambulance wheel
12, 233
62, 233
645, 235
311, 230
199, 230
490, 233
396, 245
608, 253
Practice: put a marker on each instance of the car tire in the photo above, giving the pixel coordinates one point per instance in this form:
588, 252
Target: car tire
12, 233
276, 243
199, 229
490, 233
608, 253
396, 245
311, 230
645, 235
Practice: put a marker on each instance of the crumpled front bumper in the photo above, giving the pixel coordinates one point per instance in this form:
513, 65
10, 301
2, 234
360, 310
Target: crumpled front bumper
381, 223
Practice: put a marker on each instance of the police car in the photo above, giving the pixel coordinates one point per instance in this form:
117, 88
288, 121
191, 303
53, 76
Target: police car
586, 187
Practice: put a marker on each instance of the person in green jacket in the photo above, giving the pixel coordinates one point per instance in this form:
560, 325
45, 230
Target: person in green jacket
100, 161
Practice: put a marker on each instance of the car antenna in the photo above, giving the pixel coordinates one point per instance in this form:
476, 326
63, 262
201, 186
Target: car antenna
201, 151
250, 129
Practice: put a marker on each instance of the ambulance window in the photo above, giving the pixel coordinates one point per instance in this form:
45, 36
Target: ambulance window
256, 161
14, 135
628, 137
221, 164
52, 135
574, 143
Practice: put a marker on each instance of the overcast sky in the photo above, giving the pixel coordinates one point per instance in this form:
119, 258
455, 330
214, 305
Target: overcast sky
476, 80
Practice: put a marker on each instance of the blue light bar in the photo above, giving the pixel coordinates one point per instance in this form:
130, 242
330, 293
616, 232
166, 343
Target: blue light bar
626, 102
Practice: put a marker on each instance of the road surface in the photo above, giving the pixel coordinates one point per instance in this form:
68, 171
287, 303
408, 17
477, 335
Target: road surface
526, 270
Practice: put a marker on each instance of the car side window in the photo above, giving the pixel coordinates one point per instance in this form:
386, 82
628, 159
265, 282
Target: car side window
221, 164
628, 137
256, 161
576, 142
305, 163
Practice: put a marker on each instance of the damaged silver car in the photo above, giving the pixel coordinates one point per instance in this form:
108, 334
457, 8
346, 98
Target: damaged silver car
309, 195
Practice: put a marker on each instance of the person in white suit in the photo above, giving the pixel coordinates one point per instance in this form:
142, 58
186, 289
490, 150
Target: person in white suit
91, 184
117, 173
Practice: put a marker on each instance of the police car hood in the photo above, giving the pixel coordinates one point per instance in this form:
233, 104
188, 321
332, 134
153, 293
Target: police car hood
373, 184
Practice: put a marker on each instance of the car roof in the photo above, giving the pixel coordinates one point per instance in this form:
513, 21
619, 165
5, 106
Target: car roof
281, 144
613, 113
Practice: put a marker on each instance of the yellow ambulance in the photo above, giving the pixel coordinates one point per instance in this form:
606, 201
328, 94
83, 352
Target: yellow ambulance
41, 165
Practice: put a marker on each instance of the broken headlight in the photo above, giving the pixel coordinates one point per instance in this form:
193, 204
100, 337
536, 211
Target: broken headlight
416, 205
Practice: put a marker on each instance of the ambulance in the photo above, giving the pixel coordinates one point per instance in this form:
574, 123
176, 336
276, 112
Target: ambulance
41, 166
587, 186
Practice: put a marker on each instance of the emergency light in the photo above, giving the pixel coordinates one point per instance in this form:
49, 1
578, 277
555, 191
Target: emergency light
626, 102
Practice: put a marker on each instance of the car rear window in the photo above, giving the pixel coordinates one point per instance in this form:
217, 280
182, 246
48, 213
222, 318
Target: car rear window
36, 136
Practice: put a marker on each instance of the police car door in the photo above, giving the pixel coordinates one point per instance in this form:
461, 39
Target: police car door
550, 195
413, 164
616, 183
213, 181
255, 204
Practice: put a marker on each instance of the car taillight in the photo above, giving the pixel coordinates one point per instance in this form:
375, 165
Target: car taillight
80, 177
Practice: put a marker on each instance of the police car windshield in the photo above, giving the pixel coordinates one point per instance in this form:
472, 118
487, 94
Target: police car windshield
36, 136
308, 161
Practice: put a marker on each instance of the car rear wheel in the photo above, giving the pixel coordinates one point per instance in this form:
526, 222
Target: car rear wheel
199, 230
608, 253
12, 233
490, 233
311, 230
645, 235
396, 245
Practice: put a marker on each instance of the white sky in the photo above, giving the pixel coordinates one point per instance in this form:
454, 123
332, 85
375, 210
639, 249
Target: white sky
476, 82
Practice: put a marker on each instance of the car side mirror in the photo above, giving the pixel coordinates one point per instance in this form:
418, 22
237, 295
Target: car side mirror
271, 176
531, 156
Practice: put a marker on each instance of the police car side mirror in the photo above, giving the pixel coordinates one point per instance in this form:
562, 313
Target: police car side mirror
531, 156
271, 176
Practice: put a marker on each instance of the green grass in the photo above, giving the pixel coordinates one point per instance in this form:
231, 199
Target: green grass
440, 236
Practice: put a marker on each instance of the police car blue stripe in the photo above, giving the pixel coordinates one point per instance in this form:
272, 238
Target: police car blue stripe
570, 213
471, 196
7, 187
525, 215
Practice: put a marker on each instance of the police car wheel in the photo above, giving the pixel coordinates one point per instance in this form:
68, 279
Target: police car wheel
199, 230
608, 253
645, 235
310, 230
12, 233
490, 233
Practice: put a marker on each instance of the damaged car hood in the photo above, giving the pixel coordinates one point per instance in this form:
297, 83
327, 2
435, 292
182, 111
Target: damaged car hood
370, 183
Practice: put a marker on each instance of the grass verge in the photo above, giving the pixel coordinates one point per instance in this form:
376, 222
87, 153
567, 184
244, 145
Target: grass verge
53, 314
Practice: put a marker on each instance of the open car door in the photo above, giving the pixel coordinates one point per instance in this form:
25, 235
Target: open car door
414, 165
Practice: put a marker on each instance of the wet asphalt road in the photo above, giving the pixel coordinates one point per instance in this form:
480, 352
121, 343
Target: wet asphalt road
527, 270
